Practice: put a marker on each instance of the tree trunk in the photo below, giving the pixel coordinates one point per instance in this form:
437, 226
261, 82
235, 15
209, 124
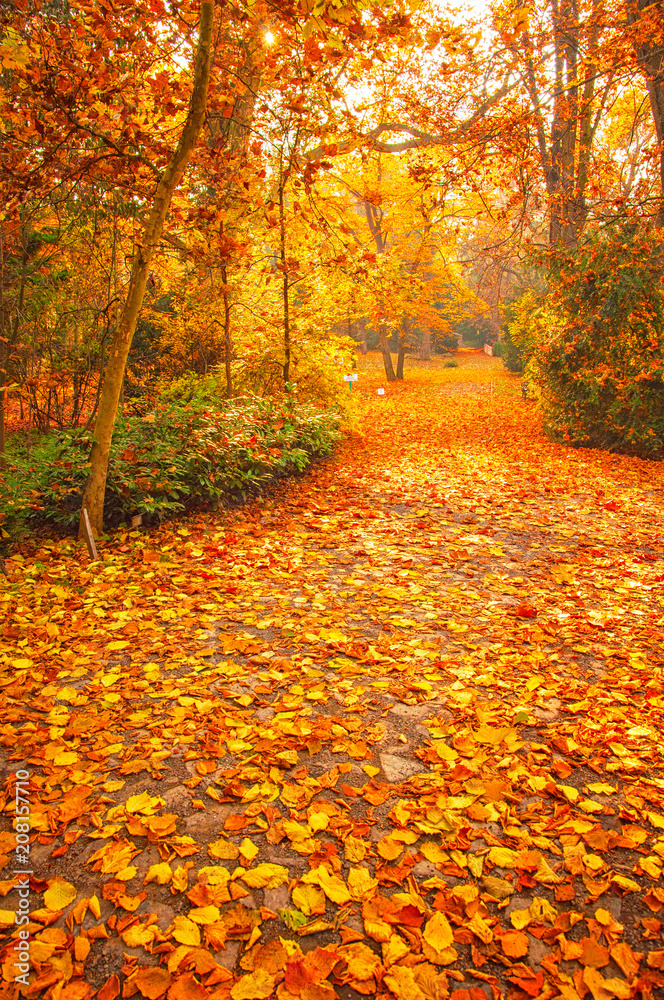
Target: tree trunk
3, 396
387, 357
95, 488
565, 152
425, 350
645, 16
228, 345
282, 255
4, 353
400, 360
403, 344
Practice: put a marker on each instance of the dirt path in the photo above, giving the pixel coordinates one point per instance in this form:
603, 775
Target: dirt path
394, 731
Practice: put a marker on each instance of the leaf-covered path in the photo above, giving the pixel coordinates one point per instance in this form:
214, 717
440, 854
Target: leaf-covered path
394, 730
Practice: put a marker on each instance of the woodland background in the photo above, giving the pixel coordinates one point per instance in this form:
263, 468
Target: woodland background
390, 177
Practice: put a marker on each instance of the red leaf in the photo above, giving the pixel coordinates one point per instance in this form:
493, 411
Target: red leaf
525, 611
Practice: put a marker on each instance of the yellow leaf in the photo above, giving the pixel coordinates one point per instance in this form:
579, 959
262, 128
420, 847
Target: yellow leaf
204, 914
160, 873
570, 793
259, 985
438, 933
127, 874
433, 852
490, 734
265, 876
318, 821
503, 857
401, 982
362, 962
113, 786
186, 931
360, 883
144, 804
248, 849
601, 788
355, 849
223, 849
546, 874
334, 888
109, 679
59, 894
138, 935
520, 919
309, 899
480, 929
541, 909
605, 989
651, 866
444, 752
628, 884
180, 880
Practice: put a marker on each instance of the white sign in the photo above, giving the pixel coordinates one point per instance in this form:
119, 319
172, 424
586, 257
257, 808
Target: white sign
351, 378
381, 392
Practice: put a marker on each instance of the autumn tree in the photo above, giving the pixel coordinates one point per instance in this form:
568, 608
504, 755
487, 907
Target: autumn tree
646, 20
93, 496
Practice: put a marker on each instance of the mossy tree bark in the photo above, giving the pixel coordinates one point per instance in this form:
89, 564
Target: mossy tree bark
93, 494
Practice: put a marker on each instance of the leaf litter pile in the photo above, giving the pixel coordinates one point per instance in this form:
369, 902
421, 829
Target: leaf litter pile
393, 730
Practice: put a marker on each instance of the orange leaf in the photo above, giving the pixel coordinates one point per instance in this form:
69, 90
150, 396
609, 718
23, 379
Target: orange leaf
187, 988
514, 944
110, 990
152, 982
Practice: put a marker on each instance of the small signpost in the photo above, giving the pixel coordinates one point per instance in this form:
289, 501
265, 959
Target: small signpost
381, 392
350, 379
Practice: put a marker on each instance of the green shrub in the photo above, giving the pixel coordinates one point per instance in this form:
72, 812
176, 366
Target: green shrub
318, 364
511, 353
601, 369
188, 453
475, 329
526, 323
445, 342
450, 364
498, 349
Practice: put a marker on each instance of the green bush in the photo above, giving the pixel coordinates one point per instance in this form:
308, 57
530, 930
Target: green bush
475, 330
318, 364
526, 323
445, 342
511, 353
191, 452
498, 349
601, 369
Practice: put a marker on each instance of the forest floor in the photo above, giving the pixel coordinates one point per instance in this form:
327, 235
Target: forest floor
394, 729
